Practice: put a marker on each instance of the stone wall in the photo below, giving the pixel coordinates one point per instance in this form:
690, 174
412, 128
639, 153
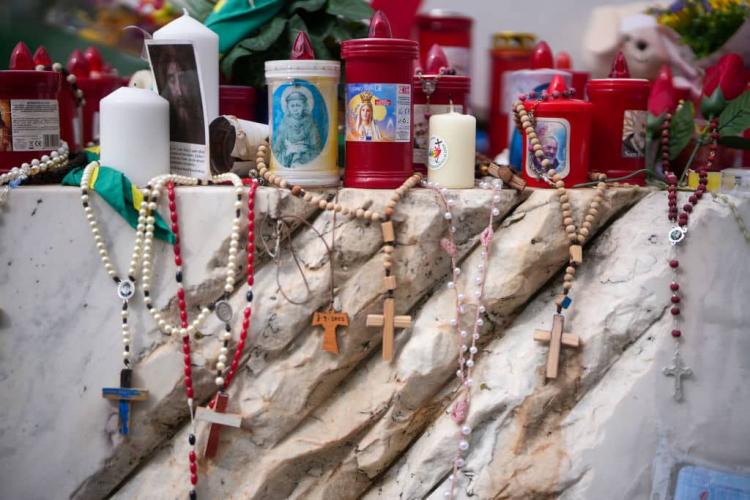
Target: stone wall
323, 426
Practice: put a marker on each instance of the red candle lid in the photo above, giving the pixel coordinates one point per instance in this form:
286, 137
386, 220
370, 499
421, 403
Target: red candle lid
20, 58
42, 58
77, 64
444, 20
379, 43
448, 80
302, 49
563, 60
541, 57
94, 59
619, 67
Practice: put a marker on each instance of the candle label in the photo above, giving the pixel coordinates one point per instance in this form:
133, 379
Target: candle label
634, 133
299, 124
554, 137
422, 114
438, 153
378, 112
29, 125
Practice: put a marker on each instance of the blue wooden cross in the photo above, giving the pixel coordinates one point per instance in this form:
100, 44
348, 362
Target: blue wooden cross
124, 395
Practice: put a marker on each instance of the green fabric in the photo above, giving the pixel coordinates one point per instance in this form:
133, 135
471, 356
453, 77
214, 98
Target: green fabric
235, 20
118, 192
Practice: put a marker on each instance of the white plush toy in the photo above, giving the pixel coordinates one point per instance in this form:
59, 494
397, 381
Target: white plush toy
142, 79
646, 45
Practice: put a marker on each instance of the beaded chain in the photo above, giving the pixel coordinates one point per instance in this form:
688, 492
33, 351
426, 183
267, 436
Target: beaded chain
677, 235
577, 235
69, 77
460, 410
389, 241
125, 286
11, 179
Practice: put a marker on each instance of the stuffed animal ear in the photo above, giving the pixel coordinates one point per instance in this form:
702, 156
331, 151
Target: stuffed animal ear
680, 55
602, 32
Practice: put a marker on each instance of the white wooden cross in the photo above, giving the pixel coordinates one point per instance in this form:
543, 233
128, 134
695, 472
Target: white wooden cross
679, 371
217, 418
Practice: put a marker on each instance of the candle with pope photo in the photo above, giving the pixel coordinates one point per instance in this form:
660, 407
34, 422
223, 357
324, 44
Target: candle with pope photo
452, 150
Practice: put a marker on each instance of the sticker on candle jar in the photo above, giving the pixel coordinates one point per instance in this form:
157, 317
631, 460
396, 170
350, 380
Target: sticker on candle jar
422, 114
438, 153
299, 124
554, 137
634, 133
378, 112
29, 125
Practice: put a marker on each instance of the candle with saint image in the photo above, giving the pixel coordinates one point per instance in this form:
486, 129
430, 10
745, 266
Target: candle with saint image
206, 44
452, 149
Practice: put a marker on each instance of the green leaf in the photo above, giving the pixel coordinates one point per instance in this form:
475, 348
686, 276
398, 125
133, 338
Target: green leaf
199, 9
713, 105
735, 118
681, 129
355, 10
308, 5
653, 125
736, 142
296, 25
266, 36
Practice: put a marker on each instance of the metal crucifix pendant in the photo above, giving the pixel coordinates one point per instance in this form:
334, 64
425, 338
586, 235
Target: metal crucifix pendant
678, 370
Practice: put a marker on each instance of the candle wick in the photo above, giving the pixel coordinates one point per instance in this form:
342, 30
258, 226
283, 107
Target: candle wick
450, 108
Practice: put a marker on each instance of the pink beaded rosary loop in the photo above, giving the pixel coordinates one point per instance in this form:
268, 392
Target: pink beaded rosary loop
460, 410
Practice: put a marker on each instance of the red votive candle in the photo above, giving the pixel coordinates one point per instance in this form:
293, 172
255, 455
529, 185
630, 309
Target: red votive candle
237, 100
563, 126
618, 133
510, 51
379, 76
452, 31
434, 89
29, 111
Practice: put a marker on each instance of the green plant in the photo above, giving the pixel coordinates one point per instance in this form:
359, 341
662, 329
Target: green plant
327, 22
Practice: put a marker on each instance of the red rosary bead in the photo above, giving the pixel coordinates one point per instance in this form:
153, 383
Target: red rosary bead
675, 299
674, 264
676, 333
675, 311
674, 286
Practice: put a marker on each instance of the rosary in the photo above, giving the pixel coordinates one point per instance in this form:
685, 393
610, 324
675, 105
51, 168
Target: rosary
577, 236
677, 235
214, 413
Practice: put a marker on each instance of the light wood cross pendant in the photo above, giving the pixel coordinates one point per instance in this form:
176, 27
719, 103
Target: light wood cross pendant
124, 395
330, 320
217, 418
389, 321
556, 339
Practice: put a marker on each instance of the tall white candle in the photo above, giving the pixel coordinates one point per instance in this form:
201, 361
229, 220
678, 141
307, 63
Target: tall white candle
134, 128
450, 158
206, 44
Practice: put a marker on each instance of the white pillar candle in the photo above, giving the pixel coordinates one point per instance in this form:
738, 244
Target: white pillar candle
134, 128
452, 149
206, 44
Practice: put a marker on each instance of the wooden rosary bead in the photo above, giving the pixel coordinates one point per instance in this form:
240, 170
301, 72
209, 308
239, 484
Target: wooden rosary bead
581, 238
586, 225
330, 205
296, 190
584, 231
551, 173
359, 213
535, 142
570, 229
388, 249
593, 211
546, 163
594, 204
345, 211
566, 207
284, 183
375, 217
539, 153
386, 264
589, 218
602, 177
564, 198
570, 270
337, 207
529, 130
367, 214
568, 277
567, 285
388, 212
308, 197
567, 221
561, 191
601, 185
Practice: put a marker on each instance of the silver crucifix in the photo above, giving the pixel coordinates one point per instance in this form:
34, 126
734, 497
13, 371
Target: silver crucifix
678, 370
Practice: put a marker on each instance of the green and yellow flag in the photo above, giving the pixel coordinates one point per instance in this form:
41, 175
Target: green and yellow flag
120, 194
235, 20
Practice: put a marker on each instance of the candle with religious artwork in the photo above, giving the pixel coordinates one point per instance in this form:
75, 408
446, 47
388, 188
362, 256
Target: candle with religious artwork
135, 133
435, 88
618, 133
29, 111
96, 81
379, 77
452, 149
206, 44
526, 81
510, 51
303, 116
563, 130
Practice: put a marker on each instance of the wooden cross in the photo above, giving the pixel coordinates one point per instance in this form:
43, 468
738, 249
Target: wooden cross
679, 371
556, 339
124, 395
330, 320
389, 321
217, 418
